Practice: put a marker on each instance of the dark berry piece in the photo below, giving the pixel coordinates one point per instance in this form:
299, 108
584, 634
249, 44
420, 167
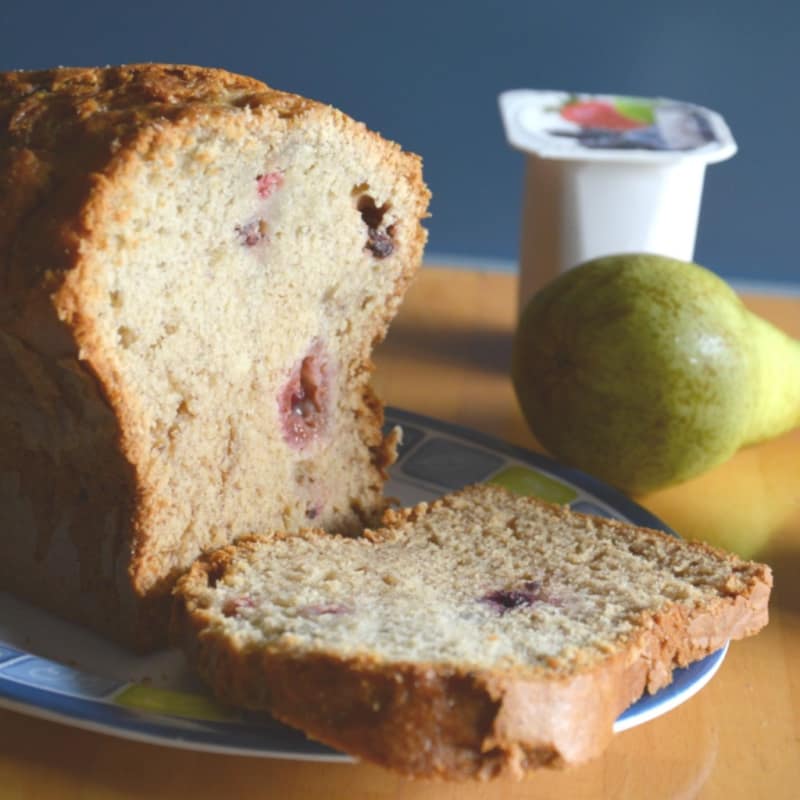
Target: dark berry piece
380, 243
502, 600
251, 233
380, 240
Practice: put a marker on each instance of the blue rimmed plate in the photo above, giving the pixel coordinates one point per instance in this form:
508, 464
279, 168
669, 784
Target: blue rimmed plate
52, 669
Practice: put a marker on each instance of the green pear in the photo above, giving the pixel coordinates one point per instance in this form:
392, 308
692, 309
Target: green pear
646, 371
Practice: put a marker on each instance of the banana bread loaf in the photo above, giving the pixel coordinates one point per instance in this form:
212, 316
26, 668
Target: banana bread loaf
481, 634
194, 269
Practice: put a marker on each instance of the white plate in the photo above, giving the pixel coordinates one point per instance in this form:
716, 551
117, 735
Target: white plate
52, 669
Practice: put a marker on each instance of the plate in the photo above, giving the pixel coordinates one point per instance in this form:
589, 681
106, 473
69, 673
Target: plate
52, 669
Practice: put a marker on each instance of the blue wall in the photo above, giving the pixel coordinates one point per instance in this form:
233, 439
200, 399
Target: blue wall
428, 73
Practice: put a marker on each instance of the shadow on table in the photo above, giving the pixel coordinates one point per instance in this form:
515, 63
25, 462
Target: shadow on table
785, 565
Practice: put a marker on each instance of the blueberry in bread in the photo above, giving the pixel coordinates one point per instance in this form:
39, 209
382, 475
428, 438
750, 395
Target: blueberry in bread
485, 633
194, 268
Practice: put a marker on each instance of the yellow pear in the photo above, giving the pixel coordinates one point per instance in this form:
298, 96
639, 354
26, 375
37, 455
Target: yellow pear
646, 371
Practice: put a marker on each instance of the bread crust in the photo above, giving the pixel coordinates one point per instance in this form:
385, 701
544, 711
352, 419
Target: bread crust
449, 721
68, 138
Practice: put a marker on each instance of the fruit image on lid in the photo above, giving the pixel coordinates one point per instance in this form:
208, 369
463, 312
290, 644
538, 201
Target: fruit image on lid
569, 125
634, 123
619, 114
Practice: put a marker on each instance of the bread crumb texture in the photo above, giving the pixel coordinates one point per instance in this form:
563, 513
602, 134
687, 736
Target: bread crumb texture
480, 634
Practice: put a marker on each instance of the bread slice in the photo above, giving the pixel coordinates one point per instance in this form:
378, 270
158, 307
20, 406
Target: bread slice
480, 634
194, 268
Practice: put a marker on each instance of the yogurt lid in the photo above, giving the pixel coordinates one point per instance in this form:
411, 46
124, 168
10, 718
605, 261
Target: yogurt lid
561, 125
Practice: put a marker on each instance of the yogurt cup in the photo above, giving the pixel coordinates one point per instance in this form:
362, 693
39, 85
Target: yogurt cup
607, 174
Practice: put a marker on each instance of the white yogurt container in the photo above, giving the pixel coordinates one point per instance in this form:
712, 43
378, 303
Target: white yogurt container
607, 175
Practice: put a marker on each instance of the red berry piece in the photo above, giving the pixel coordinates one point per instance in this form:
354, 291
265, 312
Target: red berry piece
321, 609
235, 605
268, 183
304, 400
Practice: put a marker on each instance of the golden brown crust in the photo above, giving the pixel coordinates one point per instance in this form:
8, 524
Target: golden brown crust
68, 136
447, 721
93, 115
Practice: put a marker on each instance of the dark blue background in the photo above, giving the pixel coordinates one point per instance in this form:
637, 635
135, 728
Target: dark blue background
428, 73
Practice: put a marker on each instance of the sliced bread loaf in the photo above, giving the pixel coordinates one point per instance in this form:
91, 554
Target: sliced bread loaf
482, 633
194, 268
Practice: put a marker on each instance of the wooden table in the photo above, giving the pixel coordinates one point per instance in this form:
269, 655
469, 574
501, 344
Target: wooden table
447, 356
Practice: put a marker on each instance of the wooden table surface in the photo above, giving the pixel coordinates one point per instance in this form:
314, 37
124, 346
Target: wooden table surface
447, 356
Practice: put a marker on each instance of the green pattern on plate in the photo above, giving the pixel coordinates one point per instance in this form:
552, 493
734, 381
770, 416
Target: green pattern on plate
532, 483
167, 701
